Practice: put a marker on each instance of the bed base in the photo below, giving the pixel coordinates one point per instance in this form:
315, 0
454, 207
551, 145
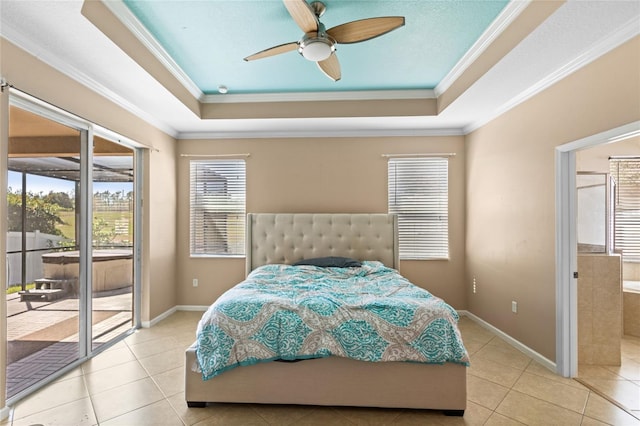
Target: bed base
333, 381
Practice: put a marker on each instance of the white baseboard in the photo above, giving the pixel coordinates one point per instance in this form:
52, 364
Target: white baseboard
148, 324
197, 308
4, 413
510, 340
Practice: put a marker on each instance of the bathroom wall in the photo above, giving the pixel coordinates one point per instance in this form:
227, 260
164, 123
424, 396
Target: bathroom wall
599, 309
596, 159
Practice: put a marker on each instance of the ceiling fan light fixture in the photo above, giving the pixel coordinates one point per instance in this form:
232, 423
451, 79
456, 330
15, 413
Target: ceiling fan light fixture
316, 49
319, 44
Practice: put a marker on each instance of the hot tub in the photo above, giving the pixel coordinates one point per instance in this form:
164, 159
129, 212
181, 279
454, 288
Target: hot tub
631, 307
112, 269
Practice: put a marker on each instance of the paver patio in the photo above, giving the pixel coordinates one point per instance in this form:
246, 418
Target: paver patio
43, 336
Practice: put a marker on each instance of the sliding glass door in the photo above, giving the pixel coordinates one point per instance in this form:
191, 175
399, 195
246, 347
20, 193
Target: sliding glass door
71, 242
43, 316
113, 214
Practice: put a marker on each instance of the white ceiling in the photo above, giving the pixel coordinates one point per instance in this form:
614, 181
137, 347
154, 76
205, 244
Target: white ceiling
577, 33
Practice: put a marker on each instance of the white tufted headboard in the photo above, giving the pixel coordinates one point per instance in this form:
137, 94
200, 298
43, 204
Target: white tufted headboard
289, 237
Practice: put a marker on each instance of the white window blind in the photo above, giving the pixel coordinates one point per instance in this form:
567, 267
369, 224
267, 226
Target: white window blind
217, 206
626, 174
419, 195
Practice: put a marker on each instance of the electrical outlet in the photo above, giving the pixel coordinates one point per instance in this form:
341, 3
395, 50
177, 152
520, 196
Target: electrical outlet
195, 282
514, 306
474, 285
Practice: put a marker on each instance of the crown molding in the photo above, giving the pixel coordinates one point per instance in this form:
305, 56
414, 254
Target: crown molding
320, 96
510, 12
129, 20
624, 33
16, 37
351, 133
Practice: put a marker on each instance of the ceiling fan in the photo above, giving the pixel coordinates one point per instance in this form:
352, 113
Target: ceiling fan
319, 45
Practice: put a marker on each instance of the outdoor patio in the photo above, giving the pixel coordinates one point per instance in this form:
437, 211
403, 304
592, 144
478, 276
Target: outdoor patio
43, 336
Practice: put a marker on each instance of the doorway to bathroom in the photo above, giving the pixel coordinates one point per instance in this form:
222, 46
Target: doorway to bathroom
608, 222
595, 333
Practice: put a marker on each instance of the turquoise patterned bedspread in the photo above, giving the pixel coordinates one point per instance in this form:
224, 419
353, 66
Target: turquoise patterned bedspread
368, 313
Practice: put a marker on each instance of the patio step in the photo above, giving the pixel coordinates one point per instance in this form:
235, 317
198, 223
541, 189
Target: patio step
54, 283
42, 294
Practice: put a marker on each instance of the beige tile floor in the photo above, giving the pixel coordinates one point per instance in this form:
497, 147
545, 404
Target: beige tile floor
140, 382
619, 383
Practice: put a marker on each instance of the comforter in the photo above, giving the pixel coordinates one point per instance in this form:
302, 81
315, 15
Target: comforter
368, 313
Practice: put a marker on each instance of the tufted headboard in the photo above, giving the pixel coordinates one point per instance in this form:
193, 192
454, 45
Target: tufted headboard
289, 237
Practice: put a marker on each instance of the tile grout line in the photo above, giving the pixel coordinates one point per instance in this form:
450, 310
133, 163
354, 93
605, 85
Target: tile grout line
511, 389
93, 407
589, 417
601, 394
132, 410
589, 390
165, 397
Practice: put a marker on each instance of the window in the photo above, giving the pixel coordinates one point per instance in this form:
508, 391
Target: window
419, 195
626, 228
217, 205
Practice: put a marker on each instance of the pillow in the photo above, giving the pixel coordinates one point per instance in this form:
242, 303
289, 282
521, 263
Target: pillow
330, 261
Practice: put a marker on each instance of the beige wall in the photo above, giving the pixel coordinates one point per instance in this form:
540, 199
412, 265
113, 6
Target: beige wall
320, 175
30, 75
596, 159
159, 263
510, 246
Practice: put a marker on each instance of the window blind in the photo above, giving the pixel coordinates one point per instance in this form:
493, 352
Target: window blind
626, 173
419, 194
217, 207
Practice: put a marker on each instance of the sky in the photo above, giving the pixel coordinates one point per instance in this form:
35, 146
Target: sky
37, 184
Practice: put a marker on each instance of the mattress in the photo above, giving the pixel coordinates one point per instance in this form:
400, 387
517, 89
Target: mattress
367, 313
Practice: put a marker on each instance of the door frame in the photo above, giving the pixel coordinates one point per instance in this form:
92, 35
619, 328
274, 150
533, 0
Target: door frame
566, 243
87, 131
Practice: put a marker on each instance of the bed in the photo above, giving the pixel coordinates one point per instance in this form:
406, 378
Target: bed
275, 241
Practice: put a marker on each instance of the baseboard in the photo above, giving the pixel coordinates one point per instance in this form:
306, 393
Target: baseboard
4, 413
197, 308
510, 340
148, 324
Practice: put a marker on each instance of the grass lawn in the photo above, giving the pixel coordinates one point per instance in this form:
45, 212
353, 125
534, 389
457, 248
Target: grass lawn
17, 288
69, 219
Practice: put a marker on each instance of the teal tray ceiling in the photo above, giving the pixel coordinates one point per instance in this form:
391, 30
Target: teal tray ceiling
209, 39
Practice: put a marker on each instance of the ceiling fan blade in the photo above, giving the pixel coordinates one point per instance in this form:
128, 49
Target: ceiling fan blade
365, 29
302, 13
331, 67
272, 51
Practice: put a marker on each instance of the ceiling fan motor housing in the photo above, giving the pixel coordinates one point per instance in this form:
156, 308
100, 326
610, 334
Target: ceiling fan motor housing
316, 48
319, 46
316, 45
